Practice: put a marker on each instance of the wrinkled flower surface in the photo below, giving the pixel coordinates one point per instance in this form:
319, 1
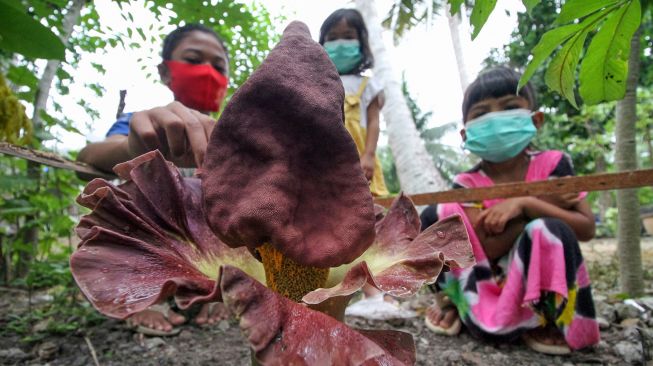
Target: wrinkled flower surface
146, 240
282, 180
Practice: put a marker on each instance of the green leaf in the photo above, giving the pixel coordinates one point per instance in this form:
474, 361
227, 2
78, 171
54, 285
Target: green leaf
560, 74
480, 13
22, 34
455, 6
576, 9
18, 211
530, 4
142, 34
549, 42
23, 76
561, 71
604, 69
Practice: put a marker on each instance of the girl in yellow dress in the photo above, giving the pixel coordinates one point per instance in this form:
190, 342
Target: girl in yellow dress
344, 36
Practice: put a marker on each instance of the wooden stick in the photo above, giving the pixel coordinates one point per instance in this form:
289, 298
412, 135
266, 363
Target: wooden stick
93, 354
51, 159
597, 182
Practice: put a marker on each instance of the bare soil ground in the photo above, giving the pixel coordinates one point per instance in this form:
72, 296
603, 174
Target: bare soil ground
223, 344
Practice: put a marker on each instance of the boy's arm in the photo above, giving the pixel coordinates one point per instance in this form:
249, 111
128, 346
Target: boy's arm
105, 154
179, 133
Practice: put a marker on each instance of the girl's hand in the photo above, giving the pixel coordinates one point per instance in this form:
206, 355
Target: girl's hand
493, 220
565, 201
367, 163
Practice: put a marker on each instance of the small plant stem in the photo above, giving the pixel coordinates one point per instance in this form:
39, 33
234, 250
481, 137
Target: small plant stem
93, 354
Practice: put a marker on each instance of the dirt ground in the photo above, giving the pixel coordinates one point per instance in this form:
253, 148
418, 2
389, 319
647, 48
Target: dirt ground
223, 344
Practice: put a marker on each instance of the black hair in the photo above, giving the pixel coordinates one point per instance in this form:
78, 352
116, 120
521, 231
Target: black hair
355, 20
497, 82
173, 38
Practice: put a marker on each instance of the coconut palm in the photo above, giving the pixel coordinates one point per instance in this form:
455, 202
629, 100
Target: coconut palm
415, 168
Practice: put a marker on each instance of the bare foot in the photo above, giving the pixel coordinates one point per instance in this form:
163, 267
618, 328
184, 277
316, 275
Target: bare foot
212, 313
156, 320
370, 291
443, 318
548, 335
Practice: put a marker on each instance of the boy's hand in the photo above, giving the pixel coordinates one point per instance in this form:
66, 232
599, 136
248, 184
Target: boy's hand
180, 133
565, 201
493, 220
367, 163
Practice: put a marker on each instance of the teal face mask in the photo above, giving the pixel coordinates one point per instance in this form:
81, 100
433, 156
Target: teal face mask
345, 54
499, 136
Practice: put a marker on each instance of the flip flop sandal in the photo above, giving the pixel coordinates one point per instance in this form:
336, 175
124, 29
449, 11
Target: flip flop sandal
453, 330
444, 303
156, 332
549, 349
163, 309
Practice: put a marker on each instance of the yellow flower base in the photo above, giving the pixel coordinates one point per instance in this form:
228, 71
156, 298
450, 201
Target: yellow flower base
289, 278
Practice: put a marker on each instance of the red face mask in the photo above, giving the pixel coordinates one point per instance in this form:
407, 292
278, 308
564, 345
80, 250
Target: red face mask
199, 87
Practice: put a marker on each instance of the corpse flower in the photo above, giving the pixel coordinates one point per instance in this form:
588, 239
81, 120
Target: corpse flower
281, 200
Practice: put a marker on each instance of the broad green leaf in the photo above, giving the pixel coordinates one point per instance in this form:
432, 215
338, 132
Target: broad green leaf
480, 13
561, 71
455, 6
604, 69
22, 34
560, 74
530, 4
549, 42
576, 9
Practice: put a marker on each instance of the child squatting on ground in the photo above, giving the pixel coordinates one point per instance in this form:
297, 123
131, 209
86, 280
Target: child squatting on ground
530, 280
195, 67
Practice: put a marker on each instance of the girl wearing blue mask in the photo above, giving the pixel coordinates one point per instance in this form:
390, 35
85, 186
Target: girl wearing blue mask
530, 280
344, 36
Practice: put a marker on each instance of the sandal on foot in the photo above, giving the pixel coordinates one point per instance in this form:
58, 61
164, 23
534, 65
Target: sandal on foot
444, 303
549, 349
156, 332
453, 330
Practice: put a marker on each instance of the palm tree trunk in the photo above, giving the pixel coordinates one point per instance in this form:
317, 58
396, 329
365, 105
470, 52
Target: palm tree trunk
454, 30
415, 168
630, 256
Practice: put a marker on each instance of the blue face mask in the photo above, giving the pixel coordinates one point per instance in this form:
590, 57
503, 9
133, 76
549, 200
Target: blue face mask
499, 136
345, 54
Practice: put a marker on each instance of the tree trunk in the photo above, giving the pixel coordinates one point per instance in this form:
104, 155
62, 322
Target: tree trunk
415, 168
31, 236
630, 256
649, 144
454, 30
605, 197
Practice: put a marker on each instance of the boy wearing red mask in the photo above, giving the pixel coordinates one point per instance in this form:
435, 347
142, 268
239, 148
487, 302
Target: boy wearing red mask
195, 67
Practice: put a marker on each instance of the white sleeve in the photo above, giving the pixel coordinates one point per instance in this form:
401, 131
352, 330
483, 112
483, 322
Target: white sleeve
373, 88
